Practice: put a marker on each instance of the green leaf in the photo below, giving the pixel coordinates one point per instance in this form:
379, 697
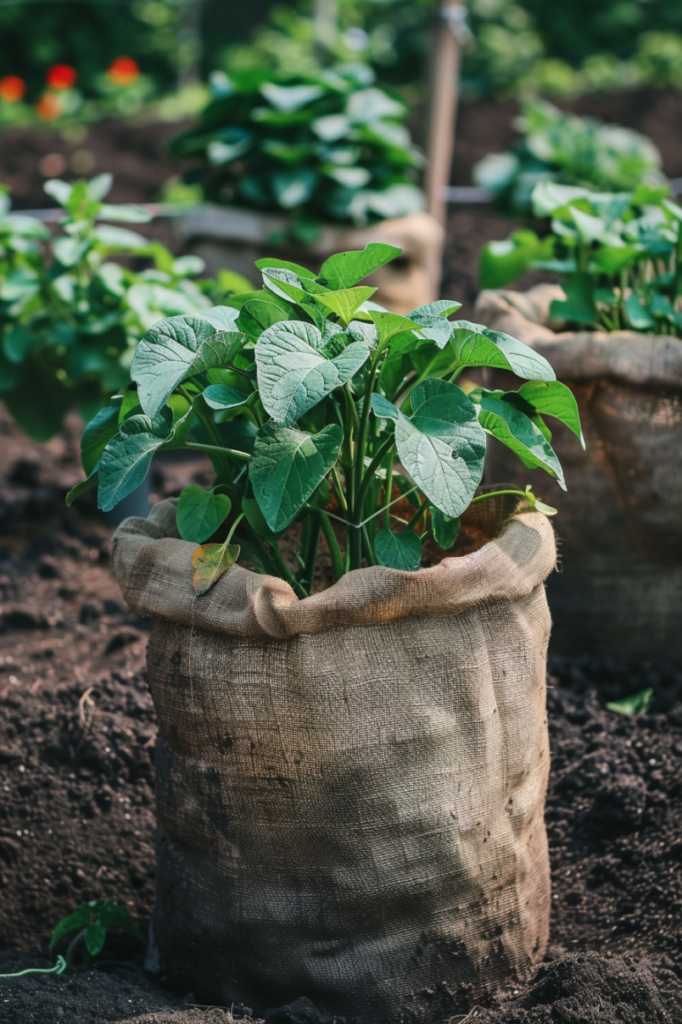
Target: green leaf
83, 486
445, 528
633, 705
345, 269
501, 262
442, 445
287, 466
95, 936
293, 375
579, 306
113, 916
256, 519
126, 459
390, 324
551, 398
398, 550
219, 396
639, 318
295, 268
290, 98
515, 429
175, 349
97, 434
345, 303
293, 188
475, 345
257, 315
74, 922
201, 512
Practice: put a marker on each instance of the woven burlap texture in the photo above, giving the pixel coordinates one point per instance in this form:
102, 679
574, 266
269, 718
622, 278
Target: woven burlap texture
619, 522
350, 787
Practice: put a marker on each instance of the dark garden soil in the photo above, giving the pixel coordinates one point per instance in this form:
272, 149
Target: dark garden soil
77, 741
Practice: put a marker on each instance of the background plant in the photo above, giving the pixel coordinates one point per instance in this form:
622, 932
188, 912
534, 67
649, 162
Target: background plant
556, 146
70, 316
619, 256
305, 394
328, 145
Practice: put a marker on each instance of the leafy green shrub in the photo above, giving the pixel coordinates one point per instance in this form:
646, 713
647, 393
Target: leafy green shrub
329, 145
305, 394
70, 317
572, 150
619, 254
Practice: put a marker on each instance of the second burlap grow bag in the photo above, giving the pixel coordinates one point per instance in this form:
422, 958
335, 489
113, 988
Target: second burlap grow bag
619, 591
350, 787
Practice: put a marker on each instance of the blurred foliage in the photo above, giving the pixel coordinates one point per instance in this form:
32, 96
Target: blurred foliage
324, 145
619, 256
556, 146
71, 315
530, 46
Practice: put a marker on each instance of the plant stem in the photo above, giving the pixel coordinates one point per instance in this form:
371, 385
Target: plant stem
310, 552
496, 494
284, 570
388, 493
218, 448
382, 450
367, 547
332, 544
418, 514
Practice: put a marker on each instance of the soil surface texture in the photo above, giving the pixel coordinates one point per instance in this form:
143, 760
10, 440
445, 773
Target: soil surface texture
77, 742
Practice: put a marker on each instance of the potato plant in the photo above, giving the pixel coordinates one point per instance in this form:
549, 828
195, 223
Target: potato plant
619, 256
324, 146
318, 406
70, 315
570, 150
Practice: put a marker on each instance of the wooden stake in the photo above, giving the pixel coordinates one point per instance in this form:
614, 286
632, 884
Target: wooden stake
444, 92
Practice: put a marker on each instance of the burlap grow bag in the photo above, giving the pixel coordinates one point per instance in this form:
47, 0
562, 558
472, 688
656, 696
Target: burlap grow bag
619, 591
350, 787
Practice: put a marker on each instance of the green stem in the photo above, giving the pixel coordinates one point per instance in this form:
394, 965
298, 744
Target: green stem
58, 968
332, 544
388, 493
310, 552
284, 570
418, 514
381, 453
496, 494
367, 547
218, 448
339, 491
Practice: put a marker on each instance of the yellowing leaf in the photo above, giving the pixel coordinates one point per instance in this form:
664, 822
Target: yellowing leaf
209, 562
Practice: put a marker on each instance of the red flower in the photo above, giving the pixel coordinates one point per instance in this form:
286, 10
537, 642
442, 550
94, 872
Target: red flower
123, 71
61, 76
12, 88
49, 107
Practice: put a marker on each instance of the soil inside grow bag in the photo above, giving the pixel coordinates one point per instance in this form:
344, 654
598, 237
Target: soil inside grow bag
77, 740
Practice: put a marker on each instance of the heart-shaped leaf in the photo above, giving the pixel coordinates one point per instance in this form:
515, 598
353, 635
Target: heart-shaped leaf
95, 935
97, 434
209, 562
201, 512
220, 396
513, 428
345, 303
344, 269
293, 375
175, 349
445, 529
287, 466
126, 459
398, 550
442, 445
475, 345
552, 398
